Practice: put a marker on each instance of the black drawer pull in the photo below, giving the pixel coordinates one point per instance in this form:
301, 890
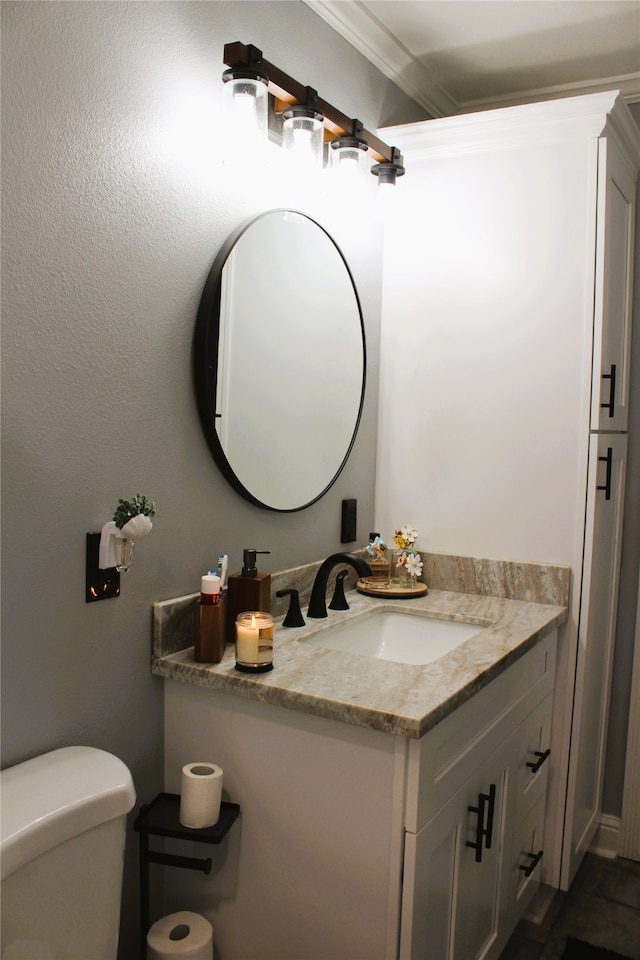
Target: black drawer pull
534, 767
610, 406
607, 483
535, 860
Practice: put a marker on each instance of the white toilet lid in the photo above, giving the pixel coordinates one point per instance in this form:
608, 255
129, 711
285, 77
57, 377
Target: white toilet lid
47, 800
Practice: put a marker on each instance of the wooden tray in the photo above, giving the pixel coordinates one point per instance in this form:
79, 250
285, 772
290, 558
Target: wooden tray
393, 592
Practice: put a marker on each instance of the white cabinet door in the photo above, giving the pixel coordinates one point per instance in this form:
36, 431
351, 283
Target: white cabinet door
605, 502
453, 876
614, 291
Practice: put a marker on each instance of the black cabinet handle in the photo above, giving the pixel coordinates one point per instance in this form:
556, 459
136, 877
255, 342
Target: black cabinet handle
610, 406
483, 833
491, 799
535, 860
534, 767
477, 843
607, 483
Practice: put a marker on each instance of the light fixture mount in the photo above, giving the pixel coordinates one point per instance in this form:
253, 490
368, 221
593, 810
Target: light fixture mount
249, 70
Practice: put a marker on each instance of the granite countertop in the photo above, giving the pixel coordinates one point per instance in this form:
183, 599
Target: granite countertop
401, 699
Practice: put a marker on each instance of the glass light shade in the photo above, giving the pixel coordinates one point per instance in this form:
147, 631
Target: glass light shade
247, 102
303, 137
349, 156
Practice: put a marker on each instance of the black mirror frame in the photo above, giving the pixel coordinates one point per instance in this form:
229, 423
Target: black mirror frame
205, 363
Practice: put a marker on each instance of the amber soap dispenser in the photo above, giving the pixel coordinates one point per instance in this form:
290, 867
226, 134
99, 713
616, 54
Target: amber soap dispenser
247, 590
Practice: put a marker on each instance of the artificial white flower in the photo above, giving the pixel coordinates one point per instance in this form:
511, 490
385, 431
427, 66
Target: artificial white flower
409, 534
405, 537
414, 564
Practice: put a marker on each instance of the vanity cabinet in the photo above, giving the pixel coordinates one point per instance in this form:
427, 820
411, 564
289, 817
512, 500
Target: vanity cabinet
515, 299
475, 815
361, 845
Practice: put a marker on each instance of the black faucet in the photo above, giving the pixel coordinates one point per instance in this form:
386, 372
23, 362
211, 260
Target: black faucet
317, 603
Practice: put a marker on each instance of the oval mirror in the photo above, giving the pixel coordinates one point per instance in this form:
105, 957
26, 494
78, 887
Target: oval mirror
280, 360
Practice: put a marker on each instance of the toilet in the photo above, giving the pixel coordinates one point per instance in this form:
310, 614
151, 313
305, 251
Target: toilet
63, 820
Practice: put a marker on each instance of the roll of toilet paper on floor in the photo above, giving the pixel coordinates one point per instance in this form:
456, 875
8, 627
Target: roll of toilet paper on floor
183, 934
201, 795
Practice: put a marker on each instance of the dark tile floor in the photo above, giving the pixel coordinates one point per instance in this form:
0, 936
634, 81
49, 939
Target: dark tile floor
602, 907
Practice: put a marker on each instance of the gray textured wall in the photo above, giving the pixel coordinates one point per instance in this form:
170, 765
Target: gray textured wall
115, 203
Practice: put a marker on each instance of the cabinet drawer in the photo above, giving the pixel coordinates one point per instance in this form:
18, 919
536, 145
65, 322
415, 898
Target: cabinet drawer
526, 861
534, 756
446, 757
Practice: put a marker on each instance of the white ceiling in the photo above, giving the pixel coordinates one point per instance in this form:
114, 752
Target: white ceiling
453, 56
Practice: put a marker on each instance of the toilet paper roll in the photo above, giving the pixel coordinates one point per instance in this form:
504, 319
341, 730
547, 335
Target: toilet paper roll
183, 934
201, 795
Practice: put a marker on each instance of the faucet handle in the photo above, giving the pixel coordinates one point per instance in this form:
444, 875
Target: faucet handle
339, 601
294, 616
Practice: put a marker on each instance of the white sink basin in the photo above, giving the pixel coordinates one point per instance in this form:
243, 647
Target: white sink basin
391, 635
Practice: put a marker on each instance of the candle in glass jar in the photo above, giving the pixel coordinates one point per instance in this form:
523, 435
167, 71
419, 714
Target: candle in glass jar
254, 641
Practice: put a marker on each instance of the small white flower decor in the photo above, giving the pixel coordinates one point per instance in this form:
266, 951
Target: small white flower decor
407, 563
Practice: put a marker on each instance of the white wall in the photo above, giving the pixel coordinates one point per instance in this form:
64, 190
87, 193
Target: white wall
115, 203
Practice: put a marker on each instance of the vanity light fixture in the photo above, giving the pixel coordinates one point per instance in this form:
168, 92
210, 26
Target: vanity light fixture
308, 121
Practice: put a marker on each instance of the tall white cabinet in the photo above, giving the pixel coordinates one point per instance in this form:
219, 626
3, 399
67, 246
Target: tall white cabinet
504, 381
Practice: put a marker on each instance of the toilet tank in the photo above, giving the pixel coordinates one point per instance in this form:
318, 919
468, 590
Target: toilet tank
62, 826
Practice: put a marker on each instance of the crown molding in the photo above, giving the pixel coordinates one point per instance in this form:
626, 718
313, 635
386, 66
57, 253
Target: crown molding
361, 29
356, 24
505, 127
628, 85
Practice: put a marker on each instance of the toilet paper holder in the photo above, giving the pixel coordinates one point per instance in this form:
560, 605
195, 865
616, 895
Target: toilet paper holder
160, 818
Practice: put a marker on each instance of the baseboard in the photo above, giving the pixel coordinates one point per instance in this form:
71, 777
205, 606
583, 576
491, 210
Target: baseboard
607, 837
544, 908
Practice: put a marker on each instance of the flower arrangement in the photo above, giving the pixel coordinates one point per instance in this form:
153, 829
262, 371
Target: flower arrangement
407, 560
